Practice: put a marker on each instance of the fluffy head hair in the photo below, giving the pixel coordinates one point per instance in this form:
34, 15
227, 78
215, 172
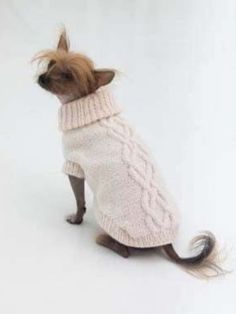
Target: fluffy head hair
68, 74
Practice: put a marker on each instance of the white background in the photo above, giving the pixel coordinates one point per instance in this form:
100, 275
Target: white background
178, 64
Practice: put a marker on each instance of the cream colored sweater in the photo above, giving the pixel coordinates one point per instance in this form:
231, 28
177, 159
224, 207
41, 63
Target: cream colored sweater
130, 200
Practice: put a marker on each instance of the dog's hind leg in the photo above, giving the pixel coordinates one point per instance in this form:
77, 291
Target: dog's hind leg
110, 243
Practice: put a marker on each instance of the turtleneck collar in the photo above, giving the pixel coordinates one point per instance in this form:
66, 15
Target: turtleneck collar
88, 109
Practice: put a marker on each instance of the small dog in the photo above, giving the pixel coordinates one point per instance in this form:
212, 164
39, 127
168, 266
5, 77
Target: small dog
131, 202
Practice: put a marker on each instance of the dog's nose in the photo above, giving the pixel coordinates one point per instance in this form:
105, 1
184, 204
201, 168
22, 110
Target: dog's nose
43, 79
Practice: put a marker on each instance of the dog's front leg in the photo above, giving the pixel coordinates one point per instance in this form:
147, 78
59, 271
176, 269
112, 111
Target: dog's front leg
77, 185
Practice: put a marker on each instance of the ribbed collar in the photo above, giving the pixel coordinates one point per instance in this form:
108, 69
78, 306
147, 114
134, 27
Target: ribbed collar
88, 109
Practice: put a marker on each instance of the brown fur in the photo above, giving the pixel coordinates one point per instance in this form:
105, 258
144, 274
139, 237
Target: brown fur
72, 75
205, 263
80, 70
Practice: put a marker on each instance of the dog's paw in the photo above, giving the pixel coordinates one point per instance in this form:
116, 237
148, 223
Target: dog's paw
74, 219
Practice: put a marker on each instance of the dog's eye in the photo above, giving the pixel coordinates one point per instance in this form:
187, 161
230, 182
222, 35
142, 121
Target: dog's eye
66, 76
51, 63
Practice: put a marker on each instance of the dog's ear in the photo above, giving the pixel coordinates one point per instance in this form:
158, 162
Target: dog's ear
103, 77
63, 43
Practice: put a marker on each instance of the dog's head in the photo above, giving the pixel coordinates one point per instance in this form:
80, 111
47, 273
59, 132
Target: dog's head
70, 75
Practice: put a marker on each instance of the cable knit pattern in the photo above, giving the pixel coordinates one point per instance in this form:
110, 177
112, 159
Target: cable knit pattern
141, 171
130, 200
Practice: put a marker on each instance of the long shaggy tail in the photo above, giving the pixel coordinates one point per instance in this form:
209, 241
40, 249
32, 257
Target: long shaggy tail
205, 263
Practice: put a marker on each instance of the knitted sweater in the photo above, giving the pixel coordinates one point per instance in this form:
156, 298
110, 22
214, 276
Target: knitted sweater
130, 201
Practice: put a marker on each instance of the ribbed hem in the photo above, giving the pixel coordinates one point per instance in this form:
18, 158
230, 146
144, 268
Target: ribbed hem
73, 169
86, 110
151, 240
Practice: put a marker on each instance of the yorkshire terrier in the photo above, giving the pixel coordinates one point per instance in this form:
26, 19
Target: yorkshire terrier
130, 200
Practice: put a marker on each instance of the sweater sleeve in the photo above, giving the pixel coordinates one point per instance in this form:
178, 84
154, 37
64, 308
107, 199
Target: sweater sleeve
73, 169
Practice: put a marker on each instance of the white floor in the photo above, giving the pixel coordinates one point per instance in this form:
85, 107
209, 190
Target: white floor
178, 88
